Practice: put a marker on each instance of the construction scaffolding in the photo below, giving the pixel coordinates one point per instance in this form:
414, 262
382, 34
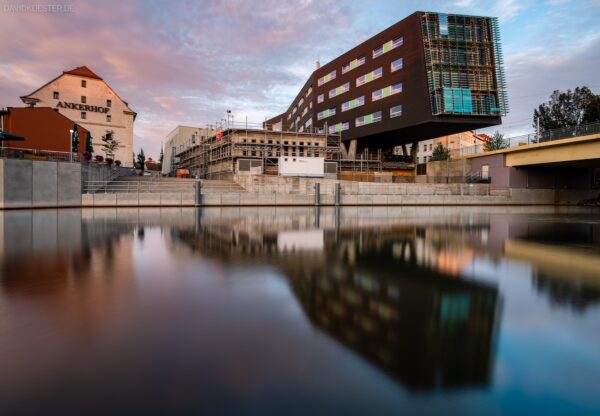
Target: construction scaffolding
465, 68
255, 149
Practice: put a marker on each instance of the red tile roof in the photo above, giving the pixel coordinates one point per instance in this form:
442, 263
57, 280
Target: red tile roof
82, 71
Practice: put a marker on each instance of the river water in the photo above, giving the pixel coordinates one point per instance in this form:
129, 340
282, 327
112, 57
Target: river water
483, 310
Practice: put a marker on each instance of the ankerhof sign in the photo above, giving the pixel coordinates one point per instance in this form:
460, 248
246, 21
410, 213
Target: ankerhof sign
83, 107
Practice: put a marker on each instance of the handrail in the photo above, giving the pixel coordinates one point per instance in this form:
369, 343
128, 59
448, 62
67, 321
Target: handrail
36, 154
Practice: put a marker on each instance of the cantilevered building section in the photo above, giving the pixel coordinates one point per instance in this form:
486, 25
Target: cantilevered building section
427, 76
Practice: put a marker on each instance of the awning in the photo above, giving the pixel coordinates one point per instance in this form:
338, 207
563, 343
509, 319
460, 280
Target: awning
5, 136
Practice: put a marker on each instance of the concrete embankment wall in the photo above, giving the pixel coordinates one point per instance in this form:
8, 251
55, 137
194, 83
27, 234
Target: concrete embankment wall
39, 184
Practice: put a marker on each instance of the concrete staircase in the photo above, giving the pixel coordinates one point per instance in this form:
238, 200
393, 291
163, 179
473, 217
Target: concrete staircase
140, 184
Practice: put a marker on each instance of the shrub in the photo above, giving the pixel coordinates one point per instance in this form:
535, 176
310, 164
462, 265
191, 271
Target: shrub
99, 158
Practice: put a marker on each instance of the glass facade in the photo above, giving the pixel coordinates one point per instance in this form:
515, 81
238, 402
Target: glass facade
464, 65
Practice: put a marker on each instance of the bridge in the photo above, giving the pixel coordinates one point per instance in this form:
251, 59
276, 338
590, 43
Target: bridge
556, 159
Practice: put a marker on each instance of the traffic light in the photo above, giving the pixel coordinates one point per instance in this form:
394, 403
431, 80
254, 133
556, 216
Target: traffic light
75, 140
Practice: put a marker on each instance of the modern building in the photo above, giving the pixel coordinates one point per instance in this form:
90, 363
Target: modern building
178, 140
42, 128
429, 75
89, 101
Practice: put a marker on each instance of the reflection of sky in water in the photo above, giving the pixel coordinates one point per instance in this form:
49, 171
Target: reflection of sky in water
190, 318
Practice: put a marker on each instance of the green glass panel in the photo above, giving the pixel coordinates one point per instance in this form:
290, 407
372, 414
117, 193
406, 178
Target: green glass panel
369, 119
387, 46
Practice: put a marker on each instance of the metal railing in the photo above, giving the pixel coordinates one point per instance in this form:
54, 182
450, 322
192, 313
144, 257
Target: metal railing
157, 186
34, 154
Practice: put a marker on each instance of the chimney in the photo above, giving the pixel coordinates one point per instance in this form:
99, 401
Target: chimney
317, 64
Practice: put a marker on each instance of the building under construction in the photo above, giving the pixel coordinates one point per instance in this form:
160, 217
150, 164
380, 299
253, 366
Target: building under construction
242, 150
218, 154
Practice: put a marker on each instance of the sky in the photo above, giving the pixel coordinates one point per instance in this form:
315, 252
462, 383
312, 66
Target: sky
188, 62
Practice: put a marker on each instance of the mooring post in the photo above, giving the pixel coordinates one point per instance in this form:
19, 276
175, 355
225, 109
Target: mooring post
198, 193
317, 194
338, 194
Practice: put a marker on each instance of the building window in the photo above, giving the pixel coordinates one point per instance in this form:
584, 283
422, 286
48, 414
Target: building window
83, 99
309, 91
386, 92
109, 119
55, 95
357, 102
336, 128
109, 103
397, 64
368, 119
369, 77
339, 90
396, 111
83, 115
353, 64
327, 78
301, 102
83, 83
326, 113
388, 46
321, 98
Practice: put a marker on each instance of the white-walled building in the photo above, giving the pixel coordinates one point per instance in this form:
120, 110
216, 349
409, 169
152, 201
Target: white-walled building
453, 142
89, 101
179, 139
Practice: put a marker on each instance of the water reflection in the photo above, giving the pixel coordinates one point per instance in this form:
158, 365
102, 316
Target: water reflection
391, 294
417, 294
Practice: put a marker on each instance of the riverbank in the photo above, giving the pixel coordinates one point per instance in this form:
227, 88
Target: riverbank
35, 184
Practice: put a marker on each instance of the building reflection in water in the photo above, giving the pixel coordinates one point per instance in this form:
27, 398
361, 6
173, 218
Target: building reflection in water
390, 287
391, 294
74, 270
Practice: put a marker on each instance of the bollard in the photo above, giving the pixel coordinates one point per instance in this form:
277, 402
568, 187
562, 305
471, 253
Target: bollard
338, 194
317, 194
198, 188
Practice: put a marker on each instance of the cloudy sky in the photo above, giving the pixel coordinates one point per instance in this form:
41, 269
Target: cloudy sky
187, 62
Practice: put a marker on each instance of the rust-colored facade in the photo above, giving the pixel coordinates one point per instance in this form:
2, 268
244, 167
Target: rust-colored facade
426, 76
43, 129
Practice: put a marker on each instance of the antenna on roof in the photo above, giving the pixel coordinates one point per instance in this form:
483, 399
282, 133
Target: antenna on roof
318, 62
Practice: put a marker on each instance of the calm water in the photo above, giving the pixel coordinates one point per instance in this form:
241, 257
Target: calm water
298, 311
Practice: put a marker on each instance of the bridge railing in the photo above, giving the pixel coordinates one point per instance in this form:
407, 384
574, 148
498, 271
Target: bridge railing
533, 138
554, 134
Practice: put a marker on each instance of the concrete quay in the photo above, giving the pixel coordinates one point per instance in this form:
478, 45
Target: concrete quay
39, 184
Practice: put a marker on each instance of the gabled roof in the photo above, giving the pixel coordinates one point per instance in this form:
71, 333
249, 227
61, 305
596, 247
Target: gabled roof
82, 71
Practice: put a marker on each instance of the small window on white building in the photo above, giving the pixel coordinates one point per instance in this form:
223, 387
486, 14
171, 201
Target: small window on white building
83, 99
83, 115
109, 103
108, 118
83, 83
55, 95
